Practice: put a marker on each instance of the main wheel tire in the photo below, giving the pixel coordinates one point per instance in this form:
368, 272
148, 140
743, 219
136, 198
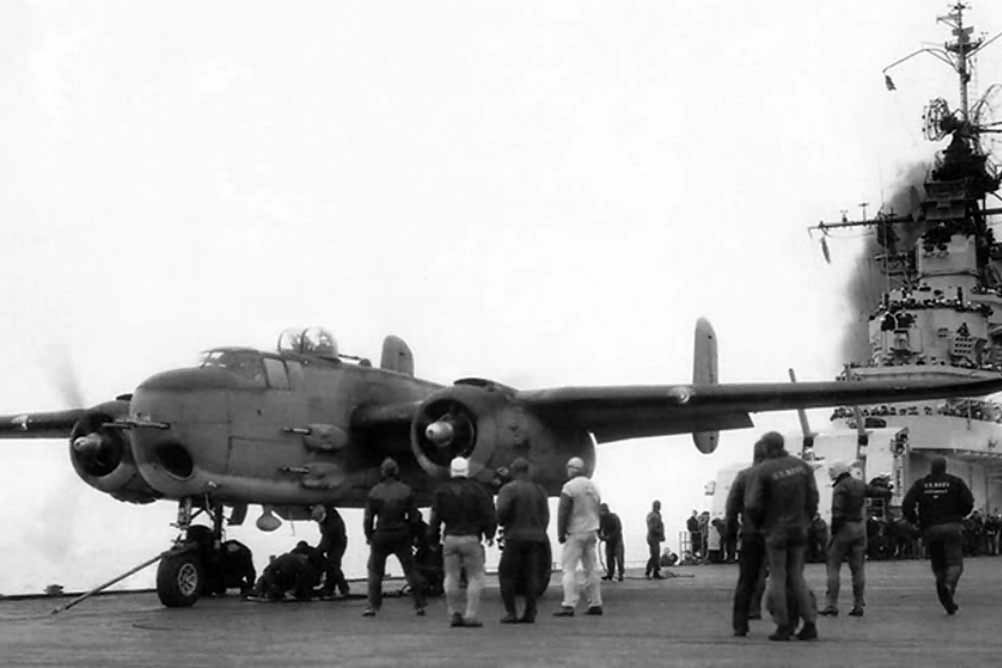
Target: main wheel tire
545, 570
180, 579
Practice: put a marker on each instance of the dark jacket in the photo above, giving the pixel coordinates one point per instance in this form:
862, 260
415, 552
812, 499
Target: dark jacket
655, 527
610, 529
938, 499
735, 507
848, 499
523, 511
333, 534
465, 507
390, 508
782, 495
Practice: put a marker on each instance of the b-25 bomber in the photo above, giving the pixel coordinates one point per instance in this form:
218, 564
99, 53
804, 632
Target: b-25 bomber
306, 424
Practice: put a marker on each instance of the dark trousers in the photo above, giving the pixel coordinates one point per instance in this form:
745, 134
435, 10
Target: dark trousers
786, 555
751, 565
654, 562
614, 554
520, 559
696, 543
946, 554
398, 544
333, 575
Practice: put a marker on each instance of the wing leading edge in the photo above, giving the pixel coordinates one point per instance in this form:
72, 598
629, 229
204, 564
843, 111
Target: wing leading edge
620, 412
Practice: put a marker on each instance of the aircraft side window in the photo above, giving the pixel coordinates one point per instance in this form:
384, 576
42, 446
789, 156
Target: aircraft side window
277, 377
295, 373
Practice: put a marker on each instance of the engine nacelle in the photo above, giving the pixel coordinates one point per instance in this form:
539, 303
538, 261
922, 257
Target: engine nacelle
102, 456
482, 420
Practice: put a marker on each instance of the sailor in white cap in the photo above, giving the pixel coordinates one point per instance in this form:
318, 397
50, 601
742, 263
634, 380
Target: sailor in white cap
577, 530
466, 509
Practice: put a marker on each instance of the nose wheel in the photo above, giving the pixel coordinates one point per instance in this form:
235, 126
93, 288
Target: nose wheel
180, 579
181, 574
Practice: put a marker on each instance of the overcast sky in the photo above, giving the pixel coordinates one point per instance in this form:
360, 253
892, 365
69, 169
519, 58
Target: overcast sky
542, 193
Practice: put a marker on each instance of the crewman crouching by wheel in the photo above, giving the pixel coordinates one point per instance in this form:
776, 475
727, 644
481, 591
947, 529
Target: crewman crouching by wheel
297, 571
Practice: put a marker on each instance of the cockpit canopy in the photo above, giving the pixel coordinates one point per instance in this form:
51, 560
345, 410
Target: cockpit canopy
309, 341
244, 363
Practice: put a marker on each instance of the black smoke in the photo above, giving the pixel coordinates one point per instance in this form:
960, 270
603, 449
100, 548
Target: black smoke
867, 282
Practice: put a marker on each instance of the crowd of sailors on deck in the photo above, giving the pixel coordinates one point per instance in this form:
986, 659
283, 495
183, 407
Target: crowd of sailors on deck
897, 307
969, 408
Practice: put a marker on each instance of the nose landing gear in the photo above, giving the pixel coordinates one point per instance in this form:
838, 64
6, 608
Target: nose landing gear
181, 574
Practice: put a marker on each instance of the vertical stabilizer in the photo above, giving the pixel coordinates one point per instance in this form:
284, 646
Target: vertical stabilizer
704, 372
397, 356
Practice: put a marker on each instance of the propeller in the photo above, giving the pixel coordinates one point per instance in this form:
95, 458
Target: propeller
59, 366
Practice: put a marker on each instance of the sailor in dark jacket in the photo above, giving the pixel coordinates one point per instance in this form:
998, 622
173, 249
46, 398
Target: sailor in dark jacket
782, 498
297, 571
524, 512
466, 509
751, 559
848, 537
610, 529
391, 516
938, 503
333, 543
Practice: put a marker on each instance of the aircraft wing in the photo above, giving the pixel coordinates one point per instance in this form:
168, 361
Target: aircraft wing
55, 424
620, 412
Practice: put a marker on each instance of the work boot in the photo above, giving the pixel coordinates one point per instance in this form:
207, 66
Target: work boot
946, 598
594, 610
808, 632
564, 611
830, 612
456, 619
856, 612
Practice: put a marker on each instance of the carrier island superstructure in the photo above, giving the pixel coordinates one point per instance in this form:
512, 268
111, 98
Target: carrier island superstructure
939, 312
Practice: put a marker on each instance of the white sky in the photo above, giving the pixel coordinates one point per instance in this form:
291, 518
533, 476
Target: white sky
542, 193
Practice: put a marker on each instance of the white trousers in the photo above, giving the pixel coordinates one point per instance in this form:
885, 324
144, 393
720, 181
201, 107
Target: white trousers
581, 547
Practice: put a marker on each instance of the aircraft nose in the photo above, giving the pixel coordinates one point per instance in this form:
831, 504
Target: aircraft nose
192, 379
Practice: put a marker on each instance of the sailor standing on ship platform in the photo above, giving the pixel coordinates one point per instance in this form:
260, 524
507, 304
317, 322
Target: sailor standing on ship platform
939, 502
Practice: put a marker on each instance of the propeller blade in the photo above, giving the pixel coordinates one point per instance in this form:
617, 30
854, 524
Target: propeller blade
62, 374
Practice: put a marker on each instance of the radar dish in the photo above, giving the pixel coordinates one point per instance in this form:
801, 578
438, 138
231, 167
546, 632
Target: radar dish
933, 116
986, 126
